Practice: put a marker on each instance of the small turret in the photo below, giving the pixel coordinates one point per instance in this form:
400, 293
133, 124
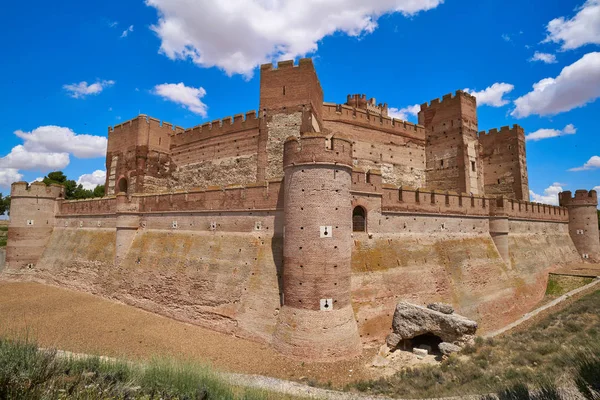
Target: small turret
583, 222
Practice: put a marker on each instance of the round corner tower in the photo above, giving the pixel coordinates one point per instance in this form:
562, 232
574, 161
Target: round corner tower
583, 222
317, 321
33, 210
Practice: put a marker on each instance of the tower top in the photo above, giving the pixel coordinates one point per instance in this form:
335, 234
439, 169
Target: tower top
582, 198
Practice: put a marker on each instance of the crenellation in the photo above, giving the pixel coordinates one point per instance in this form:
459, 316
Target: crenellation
250, 203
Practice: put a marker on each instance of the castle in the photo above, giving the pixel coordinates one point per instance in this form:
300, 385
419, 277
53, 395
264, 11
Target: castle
303, 224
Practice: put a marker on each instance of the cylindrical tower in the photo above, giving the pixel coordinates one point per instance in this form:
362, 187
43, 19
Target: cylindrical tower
316, 320
583, 222
32, 215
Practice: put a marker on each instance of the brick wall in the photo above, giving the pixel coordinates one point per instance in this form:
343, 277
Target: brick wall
504, 162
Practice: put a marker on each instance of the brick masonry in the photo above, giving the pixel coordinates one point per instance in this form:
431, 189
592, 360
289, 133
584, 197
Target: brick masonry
245, 224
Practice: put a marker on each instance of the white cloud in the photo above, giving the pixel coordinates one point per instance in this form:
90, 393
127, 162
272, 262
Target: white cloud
592, 163
48, 148
8, 176
189, 97
404, 113
112, 24
543, 57
126, 31
550, 195
577, 85
57, 139
236, 36
82, 89
582, 29
493, 95
90, 181
549, 133
506, 37
21, 158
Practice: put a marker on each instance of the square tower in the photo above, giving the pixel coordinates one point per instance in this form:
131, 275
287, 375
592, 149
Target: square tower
451, 144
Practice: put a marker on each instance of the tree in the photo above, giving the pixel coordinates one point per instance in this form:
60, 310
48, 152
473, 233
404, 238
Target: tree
72, 189
4, 204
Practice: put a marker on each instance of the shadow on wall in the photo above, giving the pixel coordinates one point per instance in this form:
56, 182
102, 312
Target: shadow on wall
277, 244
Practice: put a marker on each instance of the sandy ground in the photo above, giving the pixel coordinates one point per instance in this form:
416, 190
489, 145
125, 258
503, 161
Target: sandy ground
84, 323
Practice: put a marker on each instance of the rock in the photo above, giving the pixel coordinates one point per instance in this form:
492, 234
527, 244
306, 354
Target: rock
448, 348
420, 352
425, 347
392, 340
441, 307
411, 320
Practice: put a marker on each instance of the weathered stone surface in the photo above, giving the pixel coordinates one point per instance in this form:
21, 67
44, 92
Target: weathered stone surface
411, 320
448, 348
420, 352
441, 307
393, 339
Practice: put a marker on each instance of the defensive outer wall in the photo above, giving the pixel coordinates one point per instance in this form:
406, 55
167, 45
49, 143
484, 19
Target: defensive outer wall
312, 255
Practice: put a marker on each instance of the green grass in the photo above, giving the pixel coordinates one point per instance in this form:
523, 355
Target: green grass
562, 348
561, 284
29, 373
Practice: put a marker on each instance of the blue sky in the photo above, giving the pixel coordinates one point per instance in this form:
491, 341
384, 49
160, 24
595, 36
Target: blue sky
71, 68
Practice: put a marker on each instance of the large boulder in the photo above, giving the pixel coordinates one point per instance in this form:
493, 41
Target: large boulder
441, 307
411, 320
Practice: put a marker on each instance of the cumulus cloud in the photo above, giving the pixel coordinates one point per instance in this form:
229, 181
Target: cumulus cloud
48, 148
188, 97
577, 85
550, 195
543, 57
82, 89
404, 113
8, 176
550, 133
22, 158
57, 139
493, 95
592, 163
90, 181
126, 31
237, 36
582, 29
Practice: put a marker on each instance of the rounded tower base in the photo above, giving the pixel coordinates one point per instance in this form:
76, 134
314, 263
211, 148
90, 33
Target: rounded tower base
317, 335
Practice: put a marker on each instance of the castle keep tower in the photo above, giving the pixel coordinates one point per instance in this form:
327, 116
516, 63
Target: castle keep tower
583, 222
504, 162
316, 320
291, 101
451, 144
138, 156
32, 216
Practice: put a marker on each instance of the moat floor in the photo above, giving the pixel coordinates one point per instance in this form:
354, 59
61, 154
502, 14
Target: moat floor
84, 323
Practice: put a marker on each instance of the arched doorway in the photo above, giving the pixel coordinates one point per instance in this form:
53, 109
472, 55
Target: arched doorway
359, 219
123, 185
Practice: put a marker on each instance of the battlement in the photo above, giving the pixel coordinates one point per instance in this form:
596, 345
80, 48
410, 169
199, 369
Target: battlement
315, 148
449, 98
142, 118
302, 63
581, 198
215, 128
360, 101
357, 116
36, 189
516, 129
